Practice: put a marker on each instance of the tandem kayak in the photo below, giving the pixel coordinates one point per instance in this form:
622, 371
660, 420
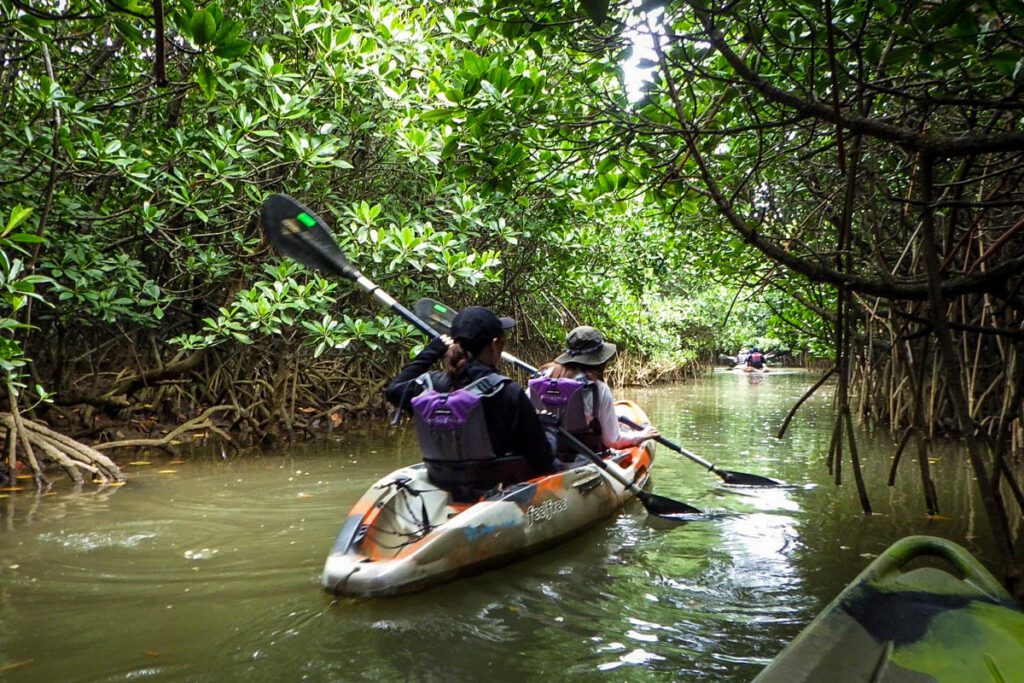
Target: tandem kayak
955, 625
406, 534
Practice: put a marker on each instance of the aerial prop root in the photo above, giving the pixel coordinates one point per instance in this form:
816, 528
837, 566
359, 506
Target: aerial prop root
203, 422
69, 454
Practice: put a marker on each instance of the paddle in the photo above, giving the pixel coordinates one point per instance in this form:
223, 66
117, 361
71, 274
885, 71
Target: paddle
298, 233
301, 235
729, 477
441, 316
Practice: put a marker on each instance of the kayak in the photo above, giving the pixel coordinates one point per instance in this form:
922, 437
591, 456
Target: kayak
749, 370
406, 534
955, 624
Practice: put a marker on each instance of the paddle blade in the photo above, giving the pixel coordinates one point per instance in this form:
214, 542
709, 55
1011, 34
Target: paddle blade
298, 233
666, 508
745, 479
436, 314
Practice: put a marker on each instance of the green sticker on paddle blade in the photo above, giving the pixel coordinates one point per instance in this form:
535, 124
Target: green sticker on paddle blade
306, 219
440, 309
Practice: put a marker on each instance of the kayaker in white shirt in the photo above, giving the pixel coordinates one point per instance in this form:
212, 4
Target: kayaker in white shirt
580, 370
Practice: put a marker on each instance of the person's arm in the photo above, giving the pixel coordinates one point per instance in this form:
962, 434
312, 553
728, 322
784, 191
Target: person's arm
399, 392
611, 435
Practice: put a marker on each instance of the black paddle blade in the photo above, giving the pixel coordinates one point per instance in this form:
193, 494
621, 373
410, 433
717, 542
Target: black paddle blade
436, 314
666, 508
301, 235
744, 479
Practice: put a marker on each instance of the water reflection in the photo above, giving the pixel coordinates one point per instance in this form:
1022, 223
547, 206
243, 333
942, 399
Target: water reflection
211, 572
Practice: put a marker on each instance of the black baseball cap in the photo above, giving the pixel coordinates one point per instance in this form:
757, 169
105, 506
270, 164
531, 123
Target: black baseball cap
475, 326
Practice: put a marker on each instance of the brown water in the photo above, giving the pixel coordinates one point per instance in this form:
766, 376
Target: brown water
209, 570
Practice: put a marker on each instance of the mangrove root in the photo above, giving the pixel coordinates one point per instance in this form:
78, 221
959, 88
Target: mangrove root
200, 423
71, 455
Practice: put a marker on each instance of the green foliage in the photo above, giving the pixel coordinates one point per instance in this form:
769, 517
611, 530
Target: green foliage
951, 68
94, 286
291, 304
17, 287
456, 151
597, 10
153, 218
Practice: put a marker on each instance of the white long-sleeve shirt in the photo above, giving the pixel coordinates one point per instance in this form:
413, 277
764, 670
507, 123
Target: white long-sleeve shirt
611, 435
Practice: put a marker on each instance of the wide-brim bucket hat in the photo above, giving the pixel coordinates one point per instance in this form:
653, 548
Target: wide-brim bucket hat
585, 345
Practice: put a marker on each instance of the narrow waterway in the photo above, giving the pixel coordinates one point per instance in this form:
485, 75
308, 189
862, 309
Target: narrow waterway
207, 569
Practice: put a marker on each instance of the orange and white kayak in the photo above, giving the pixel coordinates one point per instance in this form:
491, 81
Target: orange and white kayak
406, 534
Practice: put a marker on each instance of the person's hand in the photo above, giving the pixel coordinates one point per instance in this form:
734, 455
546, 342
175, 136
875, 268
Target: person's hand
548, 418
439, 345
650, 432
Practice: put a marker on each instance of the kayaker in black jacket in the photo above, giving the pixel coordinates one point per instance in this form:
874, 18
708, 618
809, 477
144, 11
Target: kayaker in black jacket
467, 450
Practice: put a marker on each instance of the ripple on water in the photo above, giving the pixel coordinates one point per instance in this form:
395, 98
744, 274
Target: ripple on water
637, 657
89, 541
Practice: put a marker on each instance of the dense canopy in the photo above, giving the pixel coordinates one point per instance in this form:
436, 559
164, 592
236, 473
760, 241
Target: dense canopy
842, 178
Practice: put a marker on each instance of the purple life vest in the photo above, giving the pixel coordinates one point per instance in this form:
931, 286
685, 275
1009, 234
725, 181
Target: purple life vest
451, 425
566, 398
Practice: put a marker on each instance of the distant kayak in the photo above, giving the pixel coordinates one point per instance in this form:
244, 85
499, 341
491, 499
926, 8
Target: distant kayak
406, 534
955, 625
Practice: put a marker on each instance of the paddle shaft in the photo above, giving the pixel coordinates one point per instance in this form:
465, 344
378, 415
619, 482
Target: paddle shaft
390, 302
729, 477
676, 447
600, 462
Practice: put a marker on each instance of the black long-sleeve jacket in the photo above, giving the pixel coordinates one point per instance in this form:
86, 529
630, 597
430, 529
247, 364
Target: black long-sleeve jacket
512, 421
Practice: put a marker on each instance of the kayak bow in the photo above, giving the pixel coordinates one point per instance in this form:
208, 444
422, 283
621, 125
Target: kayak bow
927, 624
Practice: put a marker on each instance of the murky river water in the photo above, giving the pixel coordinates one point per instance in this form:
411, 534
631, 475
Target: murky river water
209, 569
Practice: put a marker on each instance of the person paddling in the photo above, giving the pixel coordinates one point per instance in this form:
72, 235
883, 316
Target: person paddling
755, 361
573, 387
477, 428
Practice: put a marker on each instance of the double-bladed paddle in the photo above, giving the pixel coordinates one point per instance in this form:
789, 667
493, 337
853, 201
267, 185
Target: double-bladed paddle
440, 318
301, 235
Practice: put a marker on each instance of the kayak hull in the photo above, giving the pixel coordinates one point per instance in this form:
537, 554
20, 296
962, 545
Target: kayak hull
406, 534
926, 624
